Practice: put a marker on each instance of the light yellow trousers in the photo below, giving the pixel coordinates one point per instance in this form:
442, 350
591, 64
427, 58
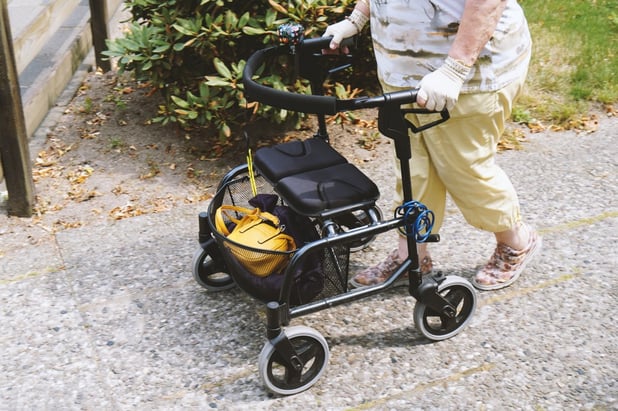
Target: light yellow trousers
458, 157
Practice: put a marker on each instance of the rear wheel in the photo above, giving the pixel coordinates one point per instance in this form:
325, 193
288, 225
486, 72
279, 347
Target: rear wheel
355, 219
209, 269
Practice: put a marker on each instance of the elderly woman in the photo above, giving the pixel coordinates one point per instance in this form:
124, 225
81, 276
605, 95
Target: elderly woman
471, 57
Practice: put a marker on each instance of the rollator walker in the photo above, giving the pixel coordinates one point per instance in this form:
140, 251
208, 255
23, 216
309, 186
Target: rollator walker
316, 182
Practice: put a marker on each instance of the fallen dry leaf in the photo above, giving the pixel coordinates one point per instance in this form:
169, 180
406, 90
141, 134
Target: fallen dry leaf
80, 175
161, 204
511, 140
86, 135
536, 127
197, 198
126, 211
61, 224
80, 196
118, 190
44, 159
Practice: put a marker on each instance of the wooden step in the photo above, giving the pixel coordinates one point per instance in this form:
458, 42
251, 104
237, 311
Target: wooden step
51, 39
33, 24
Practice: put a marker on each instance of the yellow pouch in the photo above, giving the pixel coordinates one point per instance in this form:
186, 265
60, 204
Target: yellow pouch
258, 231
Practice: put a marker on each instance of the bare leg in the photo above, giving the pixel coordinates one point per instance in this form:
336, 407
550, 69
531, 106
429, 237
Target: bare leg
403, 249
517, 237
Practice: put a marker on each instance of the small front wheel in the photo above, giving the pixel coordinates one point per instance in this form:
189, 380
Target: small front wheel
281, 378
437, 326
209, 269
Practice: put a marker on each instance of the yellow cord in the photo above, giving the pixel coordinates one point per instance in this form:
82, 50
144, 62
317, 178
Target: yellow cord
251, 174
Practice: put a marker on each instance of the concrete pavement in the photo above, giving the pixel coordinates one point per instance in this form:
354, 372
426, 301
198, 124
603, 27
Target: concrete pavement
108, 317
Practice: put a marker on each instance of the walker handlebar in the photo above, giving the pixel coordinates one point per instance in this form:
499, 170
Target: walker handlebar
318, 104
278, 98
307, 103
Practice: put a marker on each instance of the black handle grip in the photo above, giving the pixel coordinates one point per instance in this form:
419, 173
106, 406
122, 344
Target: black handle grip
318, 44
316, 104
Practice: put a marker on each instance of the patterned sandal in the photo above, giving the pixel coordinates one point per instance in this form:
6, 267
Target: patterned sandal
506, 264
381, 272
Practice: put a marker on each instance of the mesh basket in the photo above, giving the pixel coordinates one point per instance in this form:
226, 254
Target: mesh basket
333, 262
335, 265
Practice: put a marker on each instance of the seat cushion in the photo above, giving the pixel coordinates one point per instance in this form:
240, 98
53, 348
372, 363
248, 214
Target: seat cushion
315, 192
294, 157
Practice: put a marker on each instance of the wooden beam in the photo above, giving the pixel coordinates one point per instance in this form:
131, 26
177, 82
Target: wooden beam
100, 32
14, 150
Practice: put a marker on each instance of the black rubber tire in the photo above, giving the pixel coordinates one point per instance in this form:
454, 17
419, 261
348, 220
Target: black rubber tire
283, 380
209, 270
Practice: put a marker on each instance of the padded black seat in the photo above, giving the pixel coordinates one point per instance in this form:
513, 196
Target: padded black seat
295, 157
314, 192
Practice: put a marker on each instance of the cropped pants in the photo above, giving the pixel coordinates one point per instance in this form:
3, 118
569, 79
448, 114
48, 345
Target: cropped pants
458, 157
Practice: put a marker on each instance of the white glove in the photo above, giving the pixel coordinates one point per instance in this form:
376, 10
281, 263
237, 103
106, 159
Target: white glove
441, 88
349, 27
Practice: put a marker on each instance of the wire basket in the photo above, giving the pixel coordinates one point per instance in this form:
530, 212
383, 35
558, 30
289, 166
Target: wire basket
321, 274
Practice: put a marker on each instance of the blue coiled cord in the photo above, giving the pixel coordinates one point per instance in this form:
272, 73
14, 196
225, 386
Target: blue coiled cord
421, 227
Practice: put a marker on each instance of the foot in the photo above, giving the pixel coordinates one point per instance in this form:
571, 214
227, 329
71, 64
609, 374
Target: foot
506, 264
381, 272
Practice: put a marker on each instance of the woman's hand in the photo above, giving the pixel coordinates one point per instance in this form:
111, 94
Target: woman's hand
440, 89
350, 27
339, 31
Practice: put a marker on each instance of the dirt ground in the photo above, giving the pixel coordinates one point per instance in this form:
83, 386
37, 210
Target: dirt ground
105, 161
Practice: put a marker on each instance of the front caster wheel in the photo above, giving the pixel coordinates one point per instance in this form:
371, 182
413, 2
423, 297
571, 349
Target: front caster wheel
209, 269
281, 378
436, 326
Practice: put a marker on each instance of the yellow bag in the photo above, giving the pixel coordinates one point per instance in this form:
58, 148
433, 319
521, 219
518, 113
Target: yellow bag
261, 233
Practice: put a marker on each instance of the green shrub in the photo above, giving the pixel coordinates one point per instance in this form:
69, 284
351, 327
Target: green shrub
194, 52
